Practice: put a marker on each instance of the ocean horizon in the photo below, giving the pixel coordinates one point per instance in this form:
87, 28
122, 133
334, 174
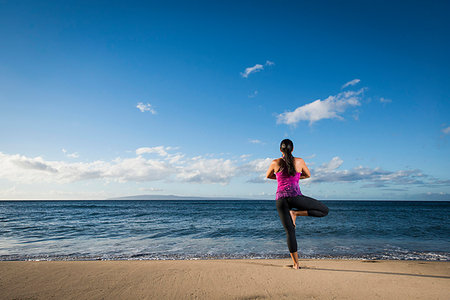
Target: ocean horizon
219, 229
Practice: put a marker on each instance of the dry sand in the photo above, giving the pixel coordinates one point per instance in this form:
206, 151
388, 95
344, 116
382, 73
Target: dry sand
224, 279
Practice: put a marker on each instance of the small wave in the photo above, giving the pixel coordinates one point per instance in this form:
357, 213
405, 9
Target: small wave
424, 256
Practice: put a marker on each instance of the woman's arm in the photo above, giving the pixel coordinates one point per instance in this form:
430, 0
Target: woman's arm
271, 171
304, 168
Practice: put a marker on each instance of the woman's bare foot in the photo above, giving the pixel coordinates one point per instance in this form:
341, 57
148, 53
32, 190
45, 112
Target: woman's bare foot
293, 216
294, 256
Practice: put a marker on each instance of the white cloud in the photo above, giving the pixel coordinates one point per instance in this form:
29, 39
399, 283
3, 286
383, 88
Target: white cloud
259, 165
256, 68
172, 158
20, 168
330, 108
256, 167
333, 164
351, 83
446, 130
249, 70
160, 150
207, 170
145, 107
71, 155
254, 141
25, 163
137, 169
245, 156
175, 158
385, 100
372, 177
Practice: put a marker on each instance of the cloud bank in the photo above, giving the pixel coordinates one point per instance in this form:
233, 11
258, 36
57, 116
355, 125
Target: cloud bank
164, 164
149, 164
372, 177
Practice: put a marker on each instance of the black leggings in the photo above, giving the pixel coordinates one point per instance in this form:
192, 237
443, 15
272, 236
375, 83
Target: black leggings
314, 207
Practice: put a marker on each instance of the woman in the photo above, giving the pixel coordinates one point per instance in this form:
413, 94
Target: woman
288, 170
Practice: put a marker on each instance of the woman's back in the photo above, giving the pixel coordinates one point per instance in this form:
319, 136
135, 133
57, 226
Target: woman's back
287, 185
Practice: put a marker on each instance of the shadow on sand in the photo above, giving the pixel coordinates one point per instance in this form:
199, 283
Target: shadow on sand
356, 271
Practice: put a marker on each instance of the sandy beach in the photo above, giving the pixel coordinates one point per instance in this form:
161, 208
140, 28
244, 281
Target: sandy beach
225, 279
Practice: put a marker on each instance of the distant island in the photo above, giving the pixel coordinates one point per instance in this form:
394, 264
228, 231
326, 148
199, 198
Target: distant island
174, 197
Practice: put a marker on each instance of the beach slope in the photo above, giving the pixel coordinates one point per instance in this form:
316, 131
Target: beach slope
224, 279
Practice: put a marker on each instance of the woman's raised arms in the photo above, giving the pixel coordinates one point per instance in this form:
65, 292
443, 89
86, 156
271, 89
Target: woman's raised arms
271, 171
301, 165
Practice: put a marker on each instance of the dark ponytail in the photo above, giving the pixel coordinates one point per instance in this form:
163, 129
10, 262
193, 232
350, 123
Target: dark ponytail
286, 147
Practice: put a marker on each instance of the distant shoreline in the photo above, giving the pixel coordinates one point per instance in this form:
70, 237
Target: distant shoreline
188, 198
174, 197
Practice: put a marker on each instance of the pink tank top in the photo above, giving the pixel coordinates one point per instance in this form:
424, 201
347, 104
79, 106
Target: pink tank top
287, 185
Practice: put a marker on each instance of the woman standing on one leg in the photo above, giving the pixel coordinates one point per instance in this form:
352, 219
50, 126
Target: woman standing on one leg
288, 170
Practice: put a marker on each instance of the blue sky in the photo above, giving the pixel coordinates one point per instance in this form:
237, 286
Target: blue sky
101, 99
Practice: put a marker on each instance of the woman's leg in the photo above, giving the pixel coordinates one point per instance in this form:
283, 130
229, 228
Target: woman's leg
313, 207
294, 256
296, 213
306, 206
286, 220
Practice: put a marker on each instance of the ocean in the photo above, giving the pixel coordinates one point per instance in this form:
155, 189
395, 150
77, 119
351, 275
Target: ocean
220, 229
